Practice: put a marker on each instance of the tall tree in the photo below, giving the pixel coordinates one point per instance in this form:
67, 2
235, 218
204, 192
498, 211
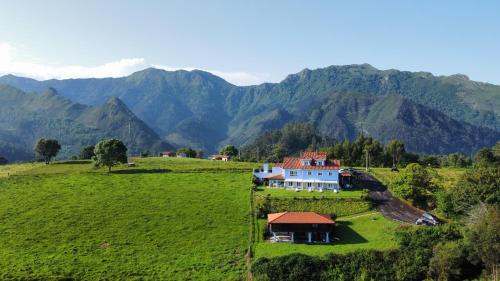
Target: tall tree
475, 186
109, 153
396, 149
46, 149
188, 151
483, 234
87, 152
229, 150
485, 157
416, 183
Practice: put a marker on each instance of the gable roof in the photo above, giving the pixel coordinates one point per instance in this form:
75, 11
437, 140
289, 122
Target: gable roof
296, 163
309, 155
300, 217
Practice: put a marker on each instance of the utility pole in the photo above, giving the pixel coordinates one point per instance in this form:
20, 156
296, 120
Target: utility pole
366, 158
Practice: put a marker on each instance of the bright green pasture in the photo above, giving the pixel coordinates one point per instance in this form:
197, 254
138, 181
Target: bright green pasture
447, 176
365, 231
166, 219
276, 192
13, 169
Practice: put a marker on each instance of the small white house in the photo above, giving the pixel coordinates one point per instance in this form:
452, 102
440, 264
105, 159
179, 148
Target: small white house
220, 157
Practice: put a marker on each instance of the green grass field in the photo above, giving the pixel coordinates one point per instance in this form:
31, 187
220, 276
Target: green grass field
448, 176
166, 219
365, 231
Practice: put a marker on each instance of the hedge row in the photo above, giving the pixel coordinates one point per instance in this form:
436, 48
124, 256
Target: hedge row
334, 206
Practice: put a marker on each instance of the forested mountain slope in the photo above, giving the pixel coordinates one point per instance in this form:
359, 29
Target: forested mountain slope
26, 117
202, 110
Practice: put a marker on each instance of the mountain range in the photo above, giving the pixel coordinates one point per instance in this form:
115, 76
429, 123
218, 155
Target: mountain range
27, 117
431, 114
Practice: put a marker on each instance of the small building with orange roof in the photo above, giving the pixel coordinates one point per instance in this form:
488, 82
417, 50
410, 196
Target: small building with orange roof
307, 227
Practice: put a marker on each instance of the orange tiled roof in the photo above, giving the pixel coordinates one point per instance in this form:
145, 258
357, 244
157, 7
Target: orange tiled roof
278, 165
275, 177
295, 163
299, 217
218, 156
313, 155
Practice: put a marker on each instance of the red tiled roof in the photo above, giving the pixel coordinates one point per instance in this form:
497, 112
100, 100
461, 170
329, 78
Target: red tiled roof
278, 165
218, 156
275, 177
313, 155
295, 163
299, 217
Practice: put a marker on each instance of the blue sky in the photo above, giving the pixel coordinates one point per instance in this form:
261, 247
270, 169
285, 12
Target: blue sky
248, 42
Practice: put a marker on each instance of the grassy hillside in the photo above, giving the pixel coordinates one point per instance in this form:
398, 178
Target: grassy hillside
166, 219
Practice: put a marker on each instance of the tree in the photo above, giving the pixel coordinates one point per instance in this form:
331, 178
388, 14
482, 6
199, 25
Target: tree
229, 150
396, 149
87, 152
277, 153
448, 261
188, 151
109, 153
416, 183
483, 234
475, 186
46, 149
485, 157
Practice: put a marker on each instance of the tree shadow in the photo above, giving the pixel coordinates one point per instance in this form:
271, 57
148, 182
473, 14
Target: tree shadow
347, 235
72, 162
142, 171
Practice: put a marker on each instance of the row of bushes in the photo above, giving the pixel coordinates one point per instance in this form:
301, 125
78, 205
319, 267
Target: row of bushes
334, 206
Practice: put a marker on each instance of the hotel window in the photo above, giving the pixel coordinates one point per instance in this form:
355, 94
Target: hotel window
330, 173
320, 163
309, 173
309, 184
320, 173
293, 173
290, 183
319, 185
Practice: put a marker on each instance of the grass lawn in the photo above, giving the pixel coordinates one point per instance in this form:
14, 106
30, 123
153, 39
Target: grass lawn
166, 219
276, 192
14, 169
448, 176
365, 231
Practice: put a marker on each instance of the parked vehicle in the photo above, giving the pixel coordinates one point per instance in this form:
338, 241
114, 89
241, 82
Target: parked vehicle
426, 219
430, 218
421, 221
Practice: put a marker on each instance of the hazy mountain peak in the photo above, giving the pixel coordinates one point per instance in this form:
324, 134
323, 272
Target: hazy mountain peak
50, 92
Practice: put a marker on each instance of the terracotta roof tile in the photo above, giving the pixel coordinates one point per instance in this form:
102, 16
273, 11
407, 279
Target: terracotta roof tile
313, 155
295, 163
300, 217
275, 177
